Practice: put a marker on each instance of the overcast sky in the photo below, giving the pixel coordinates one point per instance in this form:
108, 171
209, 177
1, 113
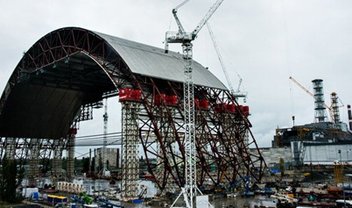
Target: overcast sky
264, 41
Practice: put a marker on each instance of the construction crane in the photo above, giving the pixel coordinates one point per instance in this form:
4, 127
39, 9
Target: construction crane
237, 94
311, 94
189, 191
301, 86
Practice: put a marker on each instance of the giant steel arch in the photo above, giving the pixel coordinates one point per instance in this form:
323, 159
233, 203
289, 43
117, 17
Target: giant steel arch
72, 68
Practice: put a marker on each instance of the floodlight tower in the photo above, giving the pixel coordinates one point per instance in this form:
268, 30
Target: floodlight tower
189, 191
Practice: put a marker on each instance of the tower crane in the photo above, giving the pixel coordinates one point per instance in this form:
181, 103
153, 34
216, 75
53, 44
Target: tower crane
236, 93
189, 191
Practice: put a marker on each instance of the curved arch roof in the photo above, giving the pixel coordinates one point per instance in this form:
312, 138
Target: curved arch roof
154, 62
62, 71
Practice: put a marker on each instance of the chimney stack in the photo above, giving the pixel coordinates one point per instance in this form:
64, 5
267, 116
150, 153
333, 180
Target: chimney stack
349, 117
320, 110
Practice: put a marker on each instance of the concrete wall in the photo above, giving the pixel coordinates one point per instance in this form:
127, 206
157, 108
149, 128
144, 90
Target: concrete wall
327, 154
272, 155
112, 155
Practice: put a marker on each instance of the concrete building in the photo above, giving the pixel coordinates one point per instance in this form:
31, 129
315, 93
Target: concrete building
112, 155
327, 154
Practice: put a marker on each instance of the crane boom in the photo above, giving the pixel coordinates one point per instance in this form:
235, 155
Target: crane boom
239, 82
310, 93
301, 86
174, 13
186, 37
210, 12
237, 93
212, 36
180, 5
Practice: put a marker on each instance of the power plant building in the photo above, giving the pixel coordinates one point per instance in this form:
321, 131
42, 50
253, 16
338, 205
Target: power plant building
322, 142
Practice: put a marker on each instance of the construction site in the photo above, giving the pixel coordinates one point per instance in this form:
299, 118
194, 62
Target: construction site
185, 138
191, 128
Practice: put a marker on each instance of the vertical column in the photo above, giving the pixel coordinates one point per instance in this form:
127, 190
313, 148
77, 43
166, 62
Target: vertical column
335, 108
71, 153
130, 162
57, 162
190, 150
33, 171
349, 112
96, 162
10, 148
3, 149
320, 113
104, 155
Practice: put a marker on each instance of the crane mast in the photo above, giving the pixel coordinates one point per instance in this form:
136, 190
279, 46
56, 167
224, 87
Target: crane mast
189, 191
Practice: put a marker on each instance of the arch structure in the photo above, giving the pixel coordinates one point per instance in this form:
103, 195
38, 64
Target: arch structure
72, 68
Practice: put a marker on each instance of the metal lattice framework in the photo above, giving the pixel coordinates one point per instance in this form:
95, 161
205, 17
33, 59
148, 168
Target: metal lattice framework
33, 153
130, 160
223, 140
82, 61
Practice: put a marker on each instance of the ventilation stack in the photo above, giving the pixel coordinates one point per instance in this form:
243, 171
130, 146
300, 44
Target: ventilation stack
335, 110
320, 110
349, 117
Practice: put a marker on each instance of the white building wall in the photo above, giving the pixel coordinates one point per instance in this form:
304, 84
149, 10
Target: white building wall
111, 155
327, 154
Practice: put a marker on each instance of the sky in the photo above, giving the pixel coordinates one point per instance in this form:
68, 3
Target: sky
263, 41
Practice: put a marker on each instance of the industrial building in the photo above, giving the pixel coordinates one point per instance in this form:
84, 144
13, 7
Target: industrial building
322, 142
112, 156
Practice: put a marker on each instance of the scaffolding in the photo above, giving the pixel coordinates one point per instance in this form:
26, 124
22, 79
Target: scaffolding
57, 160
130, 160
33, 171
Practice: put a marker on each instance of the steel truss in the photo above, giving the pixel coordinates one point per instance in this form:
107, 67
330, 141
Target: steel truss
130, 159
223, 138
34, 154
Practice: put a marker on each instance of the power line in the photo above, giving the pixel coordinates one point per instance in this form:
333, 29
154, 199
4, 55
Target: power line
99, 135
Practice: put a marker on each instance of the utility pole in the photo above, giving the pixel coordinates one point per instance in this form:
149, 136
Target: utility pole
189, 191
